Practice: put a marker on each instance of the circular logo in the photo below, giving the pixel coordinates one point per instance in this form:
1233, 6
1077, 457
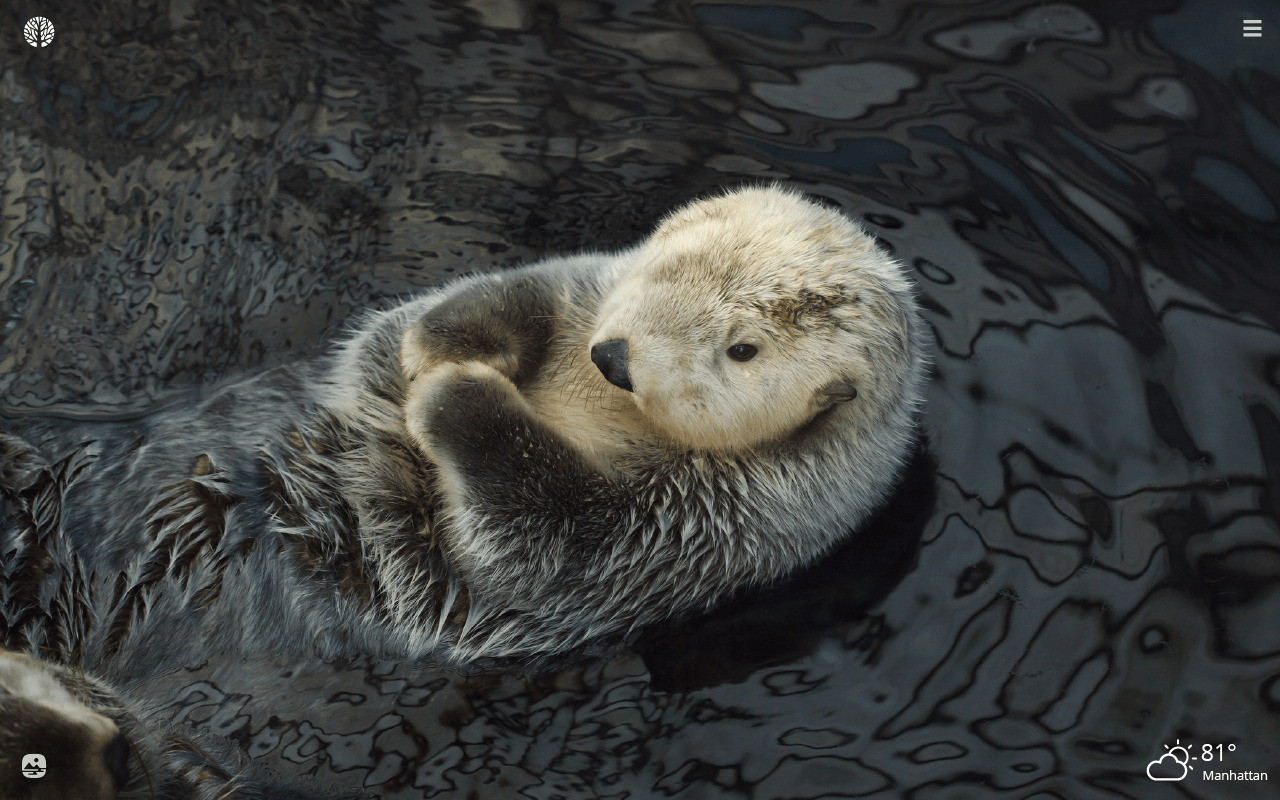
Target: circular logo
38, 32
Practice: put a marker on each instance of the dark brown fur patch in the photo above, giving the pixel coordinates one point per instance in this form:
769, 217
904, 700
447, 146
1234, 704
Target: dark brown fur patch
808, 309
187, 522
334, 551
29, 566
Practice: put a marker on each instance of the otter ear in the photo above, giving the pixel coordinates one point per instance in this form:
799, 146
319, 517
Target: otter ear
837, 392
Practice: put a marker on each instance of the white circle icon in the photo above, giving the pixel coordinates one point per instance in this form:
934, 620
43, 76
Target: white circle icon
38, 32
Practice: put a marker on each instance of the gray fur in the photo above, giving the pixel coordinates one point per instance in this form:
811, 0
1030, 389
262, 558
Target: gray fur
293, 514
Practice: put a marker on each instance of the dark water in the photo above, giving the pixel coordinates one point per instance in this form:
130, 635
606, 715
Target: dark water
1082, 568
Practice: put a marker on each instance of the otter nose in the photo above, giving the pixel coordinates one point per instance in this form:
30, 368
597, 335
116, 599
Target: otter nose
611, 358
116, 758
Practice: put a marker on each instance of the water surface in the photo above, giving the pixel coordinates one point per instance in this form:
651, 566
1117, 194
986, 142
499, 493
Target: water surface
1083, 565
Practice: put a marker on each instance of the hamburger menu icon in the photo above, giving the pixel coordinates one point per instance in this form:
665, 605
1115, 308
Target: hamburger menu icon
33, 765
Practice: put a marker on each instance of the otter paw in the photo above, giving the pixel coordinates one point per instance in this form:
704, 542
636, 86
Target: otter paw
416, 355
426, 346
447, 399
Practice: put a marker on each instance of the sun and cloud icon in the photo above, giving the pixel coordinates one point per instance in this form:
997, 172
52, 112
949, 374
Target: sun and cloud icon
1172, 766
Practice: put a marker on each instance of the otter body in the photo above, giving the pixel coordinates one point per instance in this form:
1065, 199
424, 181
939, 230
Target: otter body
513, 465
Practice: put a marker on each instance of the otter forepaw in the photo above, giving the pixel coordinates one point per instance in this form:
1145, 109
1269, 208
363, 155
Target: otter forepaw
418, 356
452, 399
453, 334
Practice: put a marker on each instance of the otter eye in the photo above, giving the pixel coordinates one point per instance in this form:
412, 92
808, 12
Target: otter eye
743, 352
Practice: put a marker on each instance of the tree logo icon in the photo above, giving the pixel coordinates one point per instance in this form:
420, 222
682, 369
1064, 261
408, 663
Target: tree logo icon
38, 31
33, 765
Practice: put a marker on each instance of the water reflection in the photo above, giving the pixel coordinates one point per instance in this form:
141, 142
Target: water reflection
1087, 197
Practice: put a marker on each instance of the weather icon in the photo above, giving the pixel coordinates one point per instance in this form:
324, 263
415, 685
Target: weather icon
1172, 766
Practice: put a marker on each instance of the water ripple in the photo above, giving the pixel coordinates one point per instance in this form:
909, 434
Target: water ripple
1085, 562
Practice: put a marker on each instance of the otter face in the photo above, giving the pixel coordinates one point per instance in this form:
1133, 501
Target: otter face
746, 316
85, 754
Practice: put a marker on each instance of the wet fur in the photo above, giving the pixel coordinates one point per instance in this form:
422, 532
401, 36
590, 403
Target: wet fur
457, 482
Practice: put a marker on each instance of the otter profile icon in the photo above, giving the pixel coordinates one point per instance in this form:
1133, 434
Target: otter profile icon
33, 765
38, 32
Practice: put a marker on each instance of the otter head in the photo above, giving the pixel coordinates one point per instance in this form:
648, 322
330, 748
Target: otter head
746, 316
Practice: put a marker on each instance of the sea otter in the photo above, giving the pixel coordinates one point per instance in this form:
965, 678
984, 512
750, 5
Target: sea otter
513, 465
619, 438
